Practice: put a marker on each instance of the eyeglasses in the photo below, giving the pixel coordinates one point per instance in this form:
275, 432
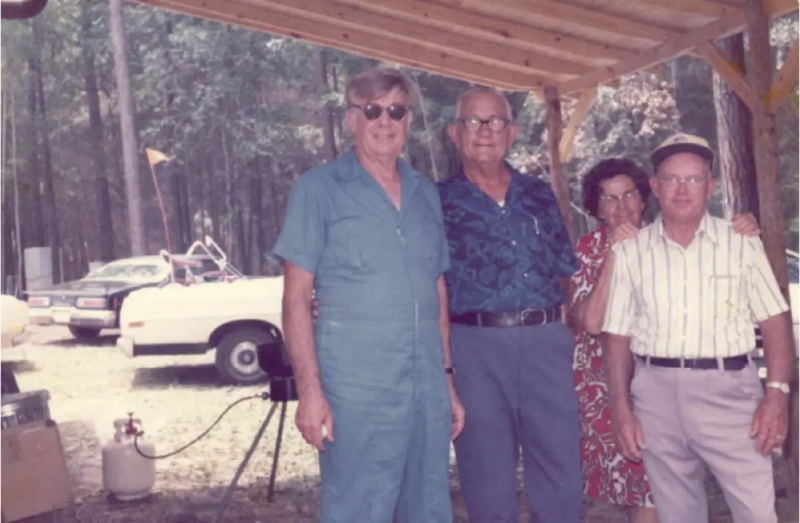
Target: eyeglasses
373, 111
495, 124
613, 199
674, 181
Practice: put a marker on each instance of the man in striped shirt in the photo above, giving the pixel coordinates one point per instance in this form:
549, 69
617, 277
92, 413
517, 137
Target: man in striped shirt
679, 330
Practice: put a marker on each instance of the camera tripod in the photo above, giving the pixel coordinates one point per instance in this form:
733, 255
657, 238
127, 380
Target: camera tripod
281, 391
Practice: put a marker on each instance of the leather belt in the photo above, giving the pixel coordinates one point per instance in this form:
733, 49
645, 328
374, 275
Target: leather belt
523, 318
731, 363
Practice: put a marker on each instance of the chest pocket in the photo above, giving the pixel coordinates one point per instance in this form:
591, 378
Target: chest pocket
343, 249
727, 297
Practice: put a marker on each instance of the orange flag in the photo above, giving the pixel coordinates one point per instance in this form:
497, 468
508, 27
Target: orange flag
154, 157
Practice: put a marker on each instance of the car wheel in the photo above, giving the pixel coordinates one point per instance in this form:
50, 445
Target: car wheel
237, 355
85, 333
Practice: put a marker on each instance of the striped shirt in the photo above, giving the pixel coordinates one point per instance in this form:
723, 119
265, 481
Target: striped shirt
695, 302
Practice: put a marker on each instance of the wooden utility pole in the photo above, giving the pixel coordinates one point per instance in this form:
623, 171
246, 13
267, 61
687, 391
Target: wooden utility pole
558, 177
133, 192
765, 135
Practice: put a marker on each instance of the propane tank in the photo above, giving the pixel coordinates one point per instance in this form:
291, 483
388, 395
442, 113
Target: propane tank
127, 475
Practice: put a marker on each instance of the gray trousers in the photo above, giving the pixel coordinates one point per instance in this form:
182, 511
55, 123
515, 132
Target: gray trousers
517, 388
693, 416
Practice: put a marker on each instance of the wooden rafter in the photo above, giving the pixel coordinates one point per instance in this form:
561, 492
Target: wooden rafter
730, 24
518, 45
700, 7
575, 121
588, 17
728, 70
784, 82
355, 18
357, 42
500, 31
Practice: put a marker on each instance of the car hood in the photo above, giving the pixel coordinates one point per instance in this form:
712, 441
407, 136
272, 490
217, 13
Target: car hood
91, 286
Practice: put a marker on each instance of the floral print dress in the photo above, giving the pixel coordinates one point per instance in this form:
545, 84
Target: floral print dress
608, 475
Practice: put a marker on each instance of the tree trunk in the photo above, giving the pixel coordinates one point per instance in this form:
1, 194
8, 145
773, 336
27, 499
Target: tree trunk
133, 192
36, 230
51, 212
326, 115
735, 139
104, 216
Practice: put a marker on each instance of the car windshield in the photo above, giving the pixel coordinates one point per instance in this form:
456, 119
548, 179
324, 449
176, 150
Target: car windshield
130, 271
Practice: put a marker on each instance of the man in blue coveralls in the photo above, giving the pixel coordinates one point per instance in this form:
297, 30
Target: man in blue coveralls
509, 251
373, 371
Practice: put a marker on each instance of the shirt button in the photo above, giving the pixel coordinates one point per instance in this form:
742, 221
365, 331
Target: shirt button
525, 275
513, 242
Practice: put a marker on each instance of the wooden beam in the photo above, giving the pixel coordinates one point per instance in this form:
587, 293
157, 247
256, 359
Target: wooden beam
727, 25
558, 178
575, 121
695, 7
728, 70
591, 18
481, 27
783, 84
358, 42
770, 197
355, 18
765, 136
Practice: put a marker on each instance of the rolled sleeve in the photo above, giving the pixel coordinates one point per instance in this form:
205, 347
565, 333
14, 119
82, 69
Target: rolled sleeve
620, 311
302, 237
764, 295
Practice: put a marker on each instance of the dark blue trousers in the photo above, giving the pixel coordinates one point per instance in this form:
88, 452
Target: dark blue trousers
517, 388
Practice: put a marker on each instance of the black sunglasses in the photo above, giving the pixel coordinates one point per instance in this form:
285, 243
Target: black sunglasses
373, 111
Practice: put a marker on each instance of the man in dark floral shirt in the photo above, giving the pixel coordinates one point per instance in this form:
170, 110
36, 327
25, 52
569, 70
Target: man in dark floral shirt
510, 255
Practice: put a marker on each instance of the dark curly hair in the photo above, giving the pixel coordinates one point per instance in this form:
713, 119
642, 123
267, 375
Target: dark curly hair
607, 169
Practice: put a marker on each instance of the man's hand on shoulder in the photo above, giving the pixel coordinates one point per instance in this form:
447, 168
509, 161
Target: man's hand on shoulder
313, 416
745, 224
624, 231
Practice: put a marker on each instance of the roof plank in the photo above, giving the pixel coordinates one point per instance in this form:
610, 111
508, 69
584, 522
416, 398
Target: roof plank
727, 25
353, 17
575, 14
358, 42
479, 26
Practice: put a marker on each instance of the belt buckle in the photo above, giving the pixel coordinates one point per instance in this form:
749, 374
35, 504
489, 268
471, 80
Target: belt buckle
526, 313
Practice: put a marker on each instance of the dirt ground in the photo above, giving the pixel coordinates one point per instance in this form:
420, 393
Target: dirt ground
177, 398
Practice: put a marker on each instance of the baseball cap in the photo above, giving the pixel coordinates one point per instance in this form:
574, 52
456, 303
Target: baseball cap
681, 143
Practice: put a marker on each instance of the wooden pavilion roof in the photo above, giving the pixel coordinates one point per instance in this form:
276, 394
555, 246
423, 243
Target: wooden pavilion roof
517, 45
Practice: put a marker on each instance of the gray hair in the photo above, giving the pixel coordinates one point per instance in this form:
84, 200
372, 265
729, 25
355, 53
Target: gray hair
475, 91
373, 83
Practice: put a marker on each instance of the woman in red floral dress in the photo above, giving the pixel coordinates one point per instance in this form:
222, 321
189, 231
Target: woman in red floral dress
615, 192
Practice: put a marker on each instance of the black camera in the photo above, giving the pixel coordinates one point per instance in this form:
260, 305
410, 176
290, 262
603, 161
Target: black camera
274, 361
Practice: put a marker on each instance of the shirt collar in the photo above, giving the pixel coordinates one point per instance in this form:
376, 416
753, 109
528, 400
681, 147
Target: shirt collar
350, 169
706, 229
514, 188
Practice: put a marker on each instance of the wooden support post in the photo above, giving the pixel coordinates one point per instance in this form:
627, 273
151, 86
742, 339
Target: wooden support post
770, 197
575, 121
558, 178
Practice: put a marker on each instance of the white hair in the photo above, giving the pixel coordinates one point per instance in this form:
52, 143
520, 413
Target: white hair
482, 90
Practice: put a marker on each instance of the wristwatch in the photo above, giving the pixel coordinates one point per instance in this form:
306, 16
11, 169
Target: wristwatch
449, 370
783, 387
